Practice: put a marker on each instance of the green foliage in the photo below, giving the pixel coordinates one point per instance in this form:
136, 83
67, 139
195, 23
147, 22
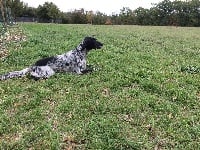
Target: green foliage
47, 12
16, 7
166, 12
142, 96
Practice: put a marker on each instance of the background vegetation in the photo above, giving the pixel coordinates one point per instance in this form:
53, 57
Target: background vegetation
144, 95
177, 13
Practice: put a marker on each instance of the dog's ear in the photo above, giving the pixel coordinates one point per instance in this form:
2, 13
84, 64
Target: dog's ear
90, 43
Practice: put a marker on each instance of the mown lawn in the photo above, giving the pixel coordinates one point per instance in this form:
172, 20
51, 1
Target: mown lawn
145, 93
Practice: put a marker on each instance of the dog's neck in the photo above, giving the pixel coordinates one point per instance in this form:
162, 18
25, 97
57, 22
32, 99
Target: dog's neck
81, 48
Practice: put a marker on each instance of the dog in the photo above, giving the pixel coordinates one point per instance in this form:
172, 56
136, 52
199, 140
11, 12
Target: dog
73, 61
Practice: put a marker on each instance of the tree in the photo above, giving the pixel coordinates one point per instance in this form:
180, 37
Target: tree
165, 9
142, 16
127, 16
78, 17
5, 12
64, 17
154, 18
194, 14
99, 18
166, 12
115, 19
108, 22
89, 16
17, 7
49, 12
29, 11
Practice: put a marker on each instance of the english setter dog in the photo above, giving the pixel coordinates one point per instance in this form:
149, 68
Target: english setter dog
72, 61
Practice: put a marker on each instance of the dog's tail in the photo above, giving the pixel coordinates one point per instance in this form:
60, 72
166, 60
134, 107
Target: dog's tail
15, 74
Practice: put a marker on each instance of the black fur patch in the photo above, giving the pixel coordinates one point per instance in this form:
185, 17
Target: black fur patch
45, 61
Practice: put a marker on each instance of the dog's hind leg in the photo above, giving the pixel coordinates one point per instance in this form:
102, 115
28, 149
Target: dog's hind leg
41, 72
15, 74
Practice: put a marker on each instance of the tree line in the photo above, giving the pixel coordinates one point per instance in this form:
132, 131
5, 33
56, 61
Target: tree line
177, 13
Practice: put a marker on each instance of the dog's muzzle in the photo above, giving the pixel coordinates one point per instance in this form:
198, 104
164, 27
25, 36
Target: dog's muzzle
99, 45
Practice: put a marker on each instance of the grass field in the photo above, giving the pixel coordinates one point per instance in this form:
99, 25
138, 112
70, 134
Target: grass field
144, 95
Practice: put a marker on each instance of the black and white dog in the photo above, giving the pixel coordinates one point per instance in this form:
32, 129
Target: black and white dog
72, 61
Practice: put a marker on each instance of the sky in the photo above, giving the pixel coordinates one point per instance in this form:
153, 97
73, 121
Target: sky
104, 6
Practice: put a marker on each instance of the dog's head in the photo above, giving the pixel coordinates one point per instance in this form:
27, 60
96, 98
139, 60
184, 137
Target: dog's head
91, 43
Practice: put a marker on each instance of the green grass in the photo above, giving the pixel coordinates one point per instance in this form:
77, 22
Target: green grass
143, 96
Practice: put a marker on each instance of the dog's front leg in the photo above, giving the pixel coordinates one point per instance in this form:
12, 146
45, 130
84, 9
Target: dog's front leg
77, 70
82, 71
88, 69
